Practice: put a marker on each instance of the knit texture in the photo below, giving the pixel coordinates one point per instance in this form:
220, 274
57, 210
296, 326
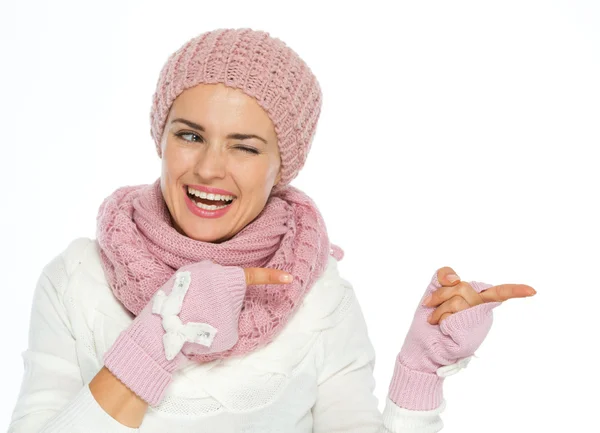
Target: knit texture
264, 68
211, 295
279, 389
140, 251
417, 383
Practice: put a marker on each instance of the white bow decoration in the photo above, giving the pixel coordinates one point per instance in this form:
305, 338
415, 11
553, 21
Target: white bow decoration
168, 307
449, 370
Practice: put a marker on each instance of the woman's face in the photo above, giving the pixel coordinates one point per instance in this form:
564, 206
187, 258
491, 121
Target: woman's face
217, 137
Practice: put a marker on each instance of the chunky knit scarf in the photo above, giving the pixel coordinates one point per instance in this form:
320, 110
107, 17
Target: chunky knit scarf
140, 251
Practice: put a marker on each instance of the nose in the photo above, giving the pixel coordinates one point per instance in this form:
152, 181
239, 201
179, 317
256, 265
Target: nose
211, 163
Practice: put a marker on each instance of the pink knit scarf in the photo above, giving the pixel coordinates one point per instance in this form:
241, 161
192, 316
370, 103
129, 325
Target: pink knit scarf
140, 251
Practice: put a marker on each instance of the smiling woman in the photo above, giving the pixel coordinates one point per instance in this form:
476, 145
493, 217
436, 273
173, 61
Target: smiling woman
211, 300
217, 136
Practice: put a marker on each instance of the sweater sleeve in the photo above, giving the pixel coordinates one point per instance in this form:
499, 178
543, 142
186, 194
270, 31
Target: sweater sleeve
53, 397
345, 400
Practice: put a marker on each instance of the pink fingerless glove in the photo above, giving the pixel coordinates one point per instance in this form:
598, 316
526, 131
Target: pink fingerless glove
195, 311
447, 346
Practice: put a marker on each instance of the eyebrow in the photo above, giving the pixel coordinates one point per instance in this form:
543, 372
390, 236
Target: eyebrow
235, 136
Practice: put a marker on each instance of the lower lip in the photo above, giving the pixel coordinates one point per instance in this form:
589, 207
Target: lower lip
217, 213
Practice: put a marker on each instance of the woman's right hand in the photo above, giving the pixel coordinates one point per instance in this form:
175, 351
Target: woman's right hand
219, 304
195, 312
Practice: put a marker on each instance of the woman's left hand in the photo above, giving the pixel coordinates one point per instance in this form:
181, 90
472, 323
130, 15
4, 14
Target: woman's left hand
456, 295
442, 345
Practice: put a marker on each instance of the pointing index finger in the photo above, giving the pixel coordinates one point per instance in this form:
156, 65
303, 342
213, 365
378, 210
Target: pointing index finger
267, 276
503, 292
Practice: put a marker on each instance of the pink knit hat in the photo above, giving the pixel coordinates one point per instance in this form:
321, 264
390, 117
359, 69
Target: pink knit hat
261, 66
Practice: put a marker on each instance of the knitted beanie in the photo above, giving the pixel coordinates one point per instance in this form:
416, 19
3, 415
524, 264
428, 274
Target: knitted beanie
261, 66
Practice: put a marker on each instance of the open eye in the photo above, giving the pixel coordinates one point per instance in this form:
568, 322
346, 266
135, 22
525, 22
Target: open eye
182, 134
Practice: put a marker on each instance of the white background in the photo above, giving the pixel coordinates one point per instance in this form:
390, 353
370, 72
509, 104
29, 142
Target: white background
452, 133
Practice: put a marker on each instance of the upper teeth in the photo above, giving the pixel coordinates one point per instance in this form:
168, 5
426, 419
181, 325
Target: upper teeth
210, 196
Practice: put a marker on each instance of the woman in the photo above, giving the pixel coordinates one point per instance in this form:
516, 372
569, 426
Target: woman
210, 300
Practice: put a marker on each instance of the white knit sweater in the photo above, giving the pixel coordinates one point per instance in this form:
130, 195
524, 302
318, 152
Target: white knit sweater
316, 376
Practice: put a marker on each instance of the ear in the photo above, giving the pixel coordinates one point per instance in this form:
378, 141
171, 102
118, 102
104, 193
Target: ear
159, 148
278, 178
163, 142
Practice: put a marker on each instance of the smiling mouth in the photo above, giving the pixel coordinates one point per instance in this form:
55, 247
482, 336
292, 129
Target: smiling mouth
202, 200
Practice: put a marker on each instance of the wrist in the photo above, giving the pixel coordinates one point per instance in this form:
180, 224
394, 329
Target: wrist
415, 390
117, 400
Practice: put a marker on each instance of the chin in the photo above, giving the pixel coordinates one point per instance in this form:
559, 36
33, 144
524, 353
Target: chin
200, 235
204, 235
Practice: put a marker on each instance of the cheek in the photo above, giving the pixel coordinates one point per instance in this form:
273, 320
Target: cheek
256, 178
176, 161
